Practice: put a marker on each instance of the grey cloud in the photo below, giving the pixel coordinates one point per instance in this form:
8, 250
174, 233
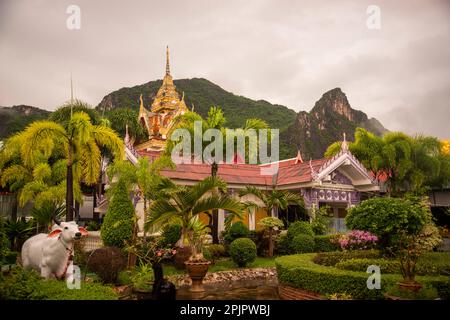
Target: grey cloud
286, 52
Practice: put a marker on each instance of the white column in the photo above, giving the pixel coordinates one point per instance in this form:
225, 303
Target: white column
221, 222
252, 219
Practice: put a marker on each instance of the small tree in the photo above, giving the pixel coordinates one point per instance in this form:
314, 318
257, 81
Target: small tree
321, 220
117, 227
405, 227
271, 224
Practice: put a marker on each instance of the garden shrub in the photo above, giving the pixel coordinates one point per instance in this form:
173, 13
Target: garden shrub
283, 245
326, 243
433, 263
4, 244
124, 277
28, 285
216, 250
208, 255
243, 251
142, 277
302, 243
386, 265
171, 233
300, 271
333, 258
299, 227
236, 230
427, 292
118, 225
260, 240
107, 262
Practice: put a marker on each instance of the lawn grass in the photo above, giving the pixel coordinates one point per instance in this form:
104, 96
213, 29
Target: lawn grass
224, 264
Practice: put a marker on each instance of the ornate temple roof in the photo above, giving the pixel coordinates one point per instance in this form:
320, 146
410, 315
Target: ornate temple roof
166, 106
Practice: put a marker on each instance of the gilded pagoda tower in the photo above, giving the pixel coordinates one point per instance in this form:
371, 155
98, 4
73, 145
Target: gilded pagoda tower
166, 106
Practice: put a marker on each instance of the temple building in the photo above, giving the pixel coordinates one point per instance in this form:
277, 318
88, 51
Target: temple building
338, 183
166, 106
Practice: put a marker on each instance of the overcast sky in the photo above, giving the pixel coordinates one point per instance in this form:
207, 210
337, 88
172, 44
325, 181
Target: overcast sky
283, 51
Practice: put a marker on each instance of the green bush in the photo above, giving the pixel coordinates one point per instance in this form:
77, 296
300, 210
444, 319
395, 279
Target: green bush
433, 263
217, 250
4, 243
236, 231
300, 227
124, 277
243, 251
333, 258
28, 285
387, 217
93, 226
171, 233
142, 277
300, 271
386, 265
326, 243
302, 243
428, 292
283, 245
117, 227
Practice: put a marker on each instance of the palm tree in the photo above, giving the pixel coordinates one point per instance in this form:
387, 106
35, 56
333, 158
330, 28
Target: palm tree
81, 142
410, 163
273, 200
43, 182
183, 205
217, 120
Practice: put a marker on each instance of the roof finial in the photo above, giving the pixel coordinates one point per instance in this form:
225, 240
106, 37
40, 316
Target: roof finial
344, 145
167, 61
299, 157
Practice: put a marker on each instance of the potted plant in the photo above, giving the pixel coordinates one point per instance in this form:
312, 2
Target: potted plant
197, 266
183, 205
151, 254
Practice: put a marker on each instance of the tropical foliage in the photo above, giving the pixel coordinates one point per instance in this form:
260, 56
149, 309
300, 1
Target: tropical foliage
408, 163
183, 205
118, 224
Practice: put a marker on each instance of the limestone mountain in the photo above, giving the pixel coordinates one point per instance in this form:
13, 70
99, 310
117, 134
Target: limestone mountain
16, 118
202, 94
312, 132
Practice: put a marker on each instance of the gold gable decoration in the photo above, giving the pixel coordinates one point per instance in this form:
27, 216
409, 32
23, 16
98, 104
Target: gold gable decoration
166, 106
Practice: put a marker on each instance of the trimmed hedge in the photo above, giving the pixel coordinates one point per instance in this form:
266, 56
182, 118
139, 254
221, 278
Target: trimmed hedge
301, 272
237, 230
333, 258
326, 243
433, 263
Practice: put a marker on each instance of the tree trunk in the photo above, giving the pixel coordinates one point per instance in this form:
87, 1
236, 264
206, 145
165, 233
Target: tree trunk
145, 217
215, 213
270, 243
69, 187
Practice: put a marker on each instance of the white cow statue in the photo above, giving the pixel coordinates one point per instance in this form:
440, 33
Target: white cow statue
51, 254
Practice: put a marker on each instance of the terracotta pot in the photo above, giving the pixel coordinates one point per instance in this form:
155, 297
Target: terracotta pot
197, 271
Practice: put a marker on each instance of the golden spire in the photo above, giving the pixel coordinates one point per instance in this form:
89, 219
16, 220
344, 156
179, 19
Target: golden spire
167, 61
